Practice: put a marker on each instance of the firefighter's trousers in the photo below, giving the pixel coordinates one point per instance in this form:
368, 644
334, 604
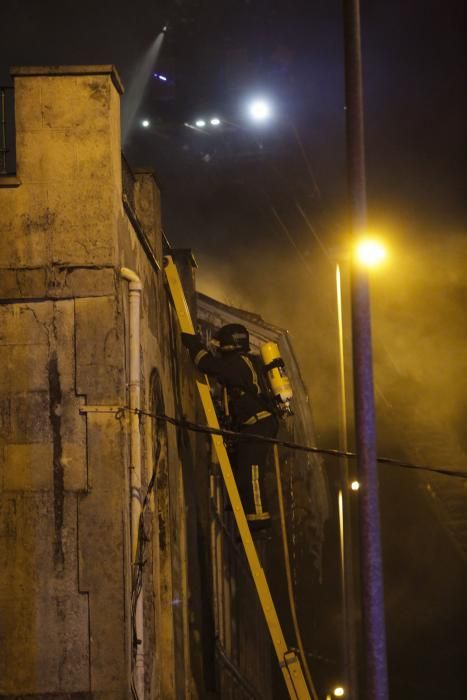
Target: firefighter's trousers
251, 465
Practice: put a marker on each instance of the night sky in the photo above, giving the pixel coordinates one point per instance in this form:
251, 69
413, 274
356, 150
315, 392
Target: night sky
264, 210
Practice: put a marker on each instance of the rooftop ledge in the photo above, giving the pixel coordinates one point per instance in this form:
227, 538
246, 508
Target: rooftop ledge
30, 71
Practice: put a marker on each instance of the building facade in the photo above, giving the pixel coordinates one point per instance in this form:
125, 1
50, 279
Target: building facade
72, 217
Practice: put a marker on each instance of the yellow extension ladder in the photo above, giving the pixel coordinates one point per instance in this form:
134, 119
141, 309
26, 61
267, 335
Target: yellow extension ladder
288, 660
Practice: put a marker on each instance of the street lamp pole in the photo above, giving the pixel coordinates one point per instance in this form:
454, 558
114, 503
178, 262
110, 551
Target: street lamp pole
374, 637
345, 518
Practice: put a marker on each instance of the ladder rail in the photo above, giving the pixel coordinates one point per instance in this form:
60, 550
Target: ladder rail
288, 660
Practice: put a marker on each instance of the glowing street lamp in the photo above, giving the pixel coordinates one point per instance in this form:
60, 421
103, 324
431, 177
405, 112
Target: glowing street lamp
201, 123
370, 252
355, 485
145, 123
338, 692
260, 110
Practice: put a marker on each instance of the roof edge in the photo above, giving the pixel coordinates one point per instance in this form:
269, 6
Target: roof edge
35, 71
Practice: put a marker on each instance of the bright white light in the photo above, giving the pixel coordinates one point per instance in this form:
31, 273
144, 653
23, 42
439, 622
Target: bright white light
162, 77
260, 110
338, 692
215, 121
370, 252
145, 123
355, 485
200, 123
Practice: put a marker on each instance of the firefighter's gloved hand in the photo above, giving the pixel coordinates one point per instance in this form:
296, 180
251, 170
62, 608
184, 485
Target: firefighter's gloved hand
191, 340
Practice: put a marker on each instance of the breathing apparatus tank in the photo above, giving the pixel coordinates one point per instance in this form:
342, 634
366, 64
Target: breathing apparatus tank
277, 377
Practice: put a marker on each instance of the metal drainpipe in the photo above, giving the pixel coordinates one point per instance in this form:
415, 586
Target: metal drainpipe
135, 288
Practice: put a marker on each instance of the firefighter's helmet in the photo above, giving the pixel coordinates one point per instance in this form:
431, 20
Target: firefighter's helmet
233, 337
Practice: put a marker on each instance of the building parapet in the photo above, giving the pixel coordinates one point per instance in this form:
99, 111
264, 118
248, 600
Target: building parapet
34, 71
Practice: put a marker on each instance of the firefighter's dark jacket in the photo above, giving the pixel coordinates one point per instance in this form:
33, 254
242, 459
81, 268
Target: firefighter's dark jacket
239, 373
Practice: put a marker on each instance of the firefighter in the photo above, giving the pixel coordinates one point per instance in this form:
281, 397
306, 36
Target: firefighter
251, 411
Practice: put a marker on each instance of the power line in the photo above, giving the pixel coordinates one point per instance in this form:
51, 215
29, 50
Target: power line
232, 434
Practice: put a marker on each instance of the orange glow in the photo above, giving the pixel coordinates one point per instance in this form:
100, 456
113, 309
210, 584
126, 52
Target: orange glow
370, 252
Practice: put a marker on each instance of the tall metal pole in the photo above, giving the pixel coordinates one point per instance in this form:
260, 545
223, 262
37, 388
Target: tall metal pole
374, 637
345, 519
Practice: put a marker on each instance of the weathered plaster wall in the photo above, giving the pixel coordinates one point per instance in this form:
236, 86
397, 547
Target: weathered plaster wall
44, 433
63, 521
68, 162
65, 573
64, 475
173, 522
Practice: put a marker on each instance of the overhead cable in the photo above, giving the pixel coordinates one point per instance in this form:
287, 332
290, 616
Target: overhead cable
232, 434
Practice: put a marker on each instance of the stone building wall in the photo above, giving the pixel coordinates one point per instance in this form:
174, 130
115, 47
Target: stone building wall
67, 229
64, 523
